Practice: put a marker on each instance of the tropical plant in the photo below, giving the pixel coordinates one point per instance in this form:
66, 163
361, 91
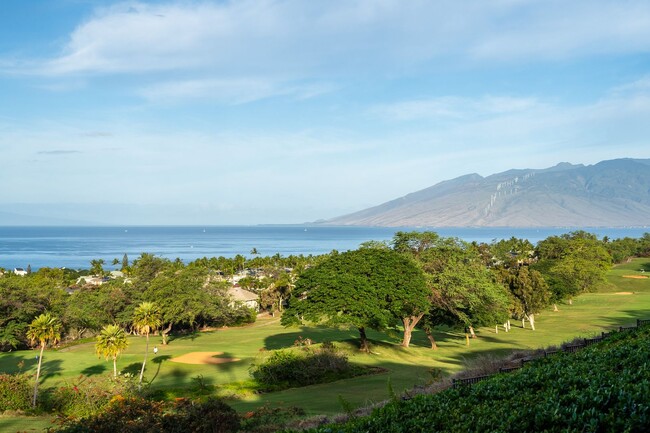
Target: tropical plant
146, 319
43, 329
111, 341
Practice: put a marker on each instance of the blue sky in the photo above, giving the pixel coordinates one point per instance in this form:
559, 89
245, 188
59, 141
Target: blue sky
286, 111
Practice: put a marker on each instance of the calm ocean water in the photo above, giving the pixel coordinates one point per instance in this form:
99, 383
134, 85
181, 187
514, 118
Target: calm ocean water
75, 247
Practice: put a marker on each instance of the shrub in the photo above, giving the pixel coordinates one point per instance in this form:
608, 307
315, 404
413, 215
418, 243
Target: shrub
285, 368
15, 392
87, 395
138, 415
267, 420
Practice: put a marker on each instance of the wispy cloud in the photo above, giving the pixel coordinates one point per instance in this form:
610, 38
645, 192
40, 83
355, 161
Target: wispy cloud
230, 91
58, 152
295, 37
454, 108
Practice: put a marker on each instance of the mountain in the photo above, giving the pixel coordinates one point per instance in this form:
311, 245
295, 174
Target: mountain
613, 193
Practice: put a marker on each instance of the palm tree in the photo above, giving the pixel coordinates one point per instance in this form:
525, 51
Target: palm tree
146, 319
111, 341
45, 328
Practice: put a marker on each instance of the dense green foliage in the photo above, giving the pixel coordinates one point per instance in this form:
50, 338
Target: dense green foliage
86, 396
15, 392
137, 415
290, 368
602, 388
366, 288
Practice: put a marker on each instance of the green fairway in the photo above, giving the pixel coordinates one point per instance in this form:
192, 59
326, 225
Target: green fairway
620, 304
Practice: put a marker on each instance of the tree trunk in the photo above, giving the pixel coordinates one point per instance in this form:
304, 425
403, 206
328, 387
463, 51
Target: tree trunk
508, 322
467, 339
115, 366
570, 301
531, 319
471, 332
523, 324
409, 325
365, 347
164, 333
434, 346
555, 307
143, 363
496, 328
38, 374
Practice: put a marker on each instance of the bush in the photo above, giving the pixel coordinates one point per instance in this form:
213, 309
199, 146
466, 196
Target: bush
15, 391
87, 395
138, 415
286, 368
267, 420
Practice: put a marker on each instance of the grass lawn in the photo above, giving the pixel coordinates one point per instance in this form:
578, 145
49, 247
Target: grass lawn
621, 304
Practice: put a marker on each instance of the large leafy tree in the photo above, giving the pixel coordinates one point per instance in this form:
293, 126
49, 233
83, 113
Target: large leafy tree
367, 289
573, 263
111, 341
146, 319
530, 293
187, 296
462, 291
44, 329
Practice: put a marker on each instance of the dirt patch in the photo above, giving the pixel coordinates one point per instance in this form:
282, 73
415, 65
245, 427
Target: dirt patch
636, 277
624, 293
203, 358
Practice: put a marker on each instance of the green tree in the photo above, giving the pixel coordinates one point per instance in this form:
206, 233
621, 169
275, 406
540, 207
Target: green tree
44, 329
146, 319
97, 267
529, 292
187, 296
111, 341
462, 291
125, 263
367, 288
573, 263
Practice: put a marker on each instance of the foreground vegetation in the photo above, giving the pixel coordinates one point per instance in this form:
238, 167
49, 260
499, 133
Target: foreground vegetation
601, 388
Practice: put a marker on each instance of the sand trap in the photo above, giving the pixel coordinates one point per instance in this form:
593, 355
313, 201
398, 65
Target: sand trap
636, 277
624, 293
203, 358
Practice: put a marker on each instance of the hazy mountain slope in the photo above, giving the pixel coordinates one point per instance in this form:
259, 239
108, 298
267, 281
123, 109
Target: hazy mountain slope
611, 193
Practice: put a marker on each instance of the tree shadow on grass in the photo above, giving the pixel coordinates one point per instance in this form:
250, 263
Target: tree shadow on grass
132, 369
50, 369
158, 360
94, 370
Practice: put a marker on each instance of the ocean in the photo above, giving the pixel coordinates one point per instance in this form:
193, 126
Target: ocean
75, 247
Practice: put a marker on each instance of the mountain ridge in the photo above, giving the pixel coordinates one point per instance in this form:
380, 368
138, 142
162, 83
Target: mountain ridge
612, 193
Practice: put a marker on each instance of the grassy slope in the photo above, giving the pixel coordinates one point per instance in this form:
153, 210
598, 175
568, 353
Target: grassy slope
589, 315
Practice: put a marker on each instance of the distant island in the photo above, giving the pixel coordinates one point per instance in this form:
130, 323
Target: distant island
614, 193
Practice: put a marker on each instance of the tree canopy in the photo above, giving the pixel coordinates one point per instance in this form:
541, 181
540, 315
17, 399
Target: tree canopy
366, 288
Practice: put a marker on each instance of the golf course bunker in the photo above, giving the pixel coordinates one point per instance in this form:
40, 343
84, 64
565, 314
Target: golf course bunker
637, 277
624, 293
203, 358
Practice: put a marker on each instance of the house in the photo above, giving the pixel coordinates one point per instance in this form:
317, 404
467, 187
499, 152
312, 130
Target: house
20, 271
249, 299
91, 280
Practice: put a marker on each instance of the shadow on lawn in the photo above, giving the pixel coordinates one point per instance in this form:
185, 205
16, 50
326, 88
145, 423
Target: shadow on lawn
94, 370
610, 323
51, 368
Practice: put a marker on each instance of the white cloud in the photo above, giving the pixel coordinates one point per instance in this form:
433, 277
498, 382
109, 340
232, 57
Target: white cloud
230, 91
454, 108
295, 38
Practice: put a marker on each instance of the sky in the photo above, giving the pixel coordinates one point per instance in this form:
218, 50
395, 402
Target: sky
288, 111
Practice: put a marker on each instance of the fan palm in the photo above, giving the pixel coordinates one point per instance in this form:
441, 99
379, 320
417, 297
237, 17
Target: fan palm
43, 329
111, 341
146, 319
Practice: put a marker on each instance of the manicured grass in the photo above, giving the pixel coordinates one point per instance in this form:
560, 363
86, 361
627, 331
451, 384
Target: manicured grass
589, 315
